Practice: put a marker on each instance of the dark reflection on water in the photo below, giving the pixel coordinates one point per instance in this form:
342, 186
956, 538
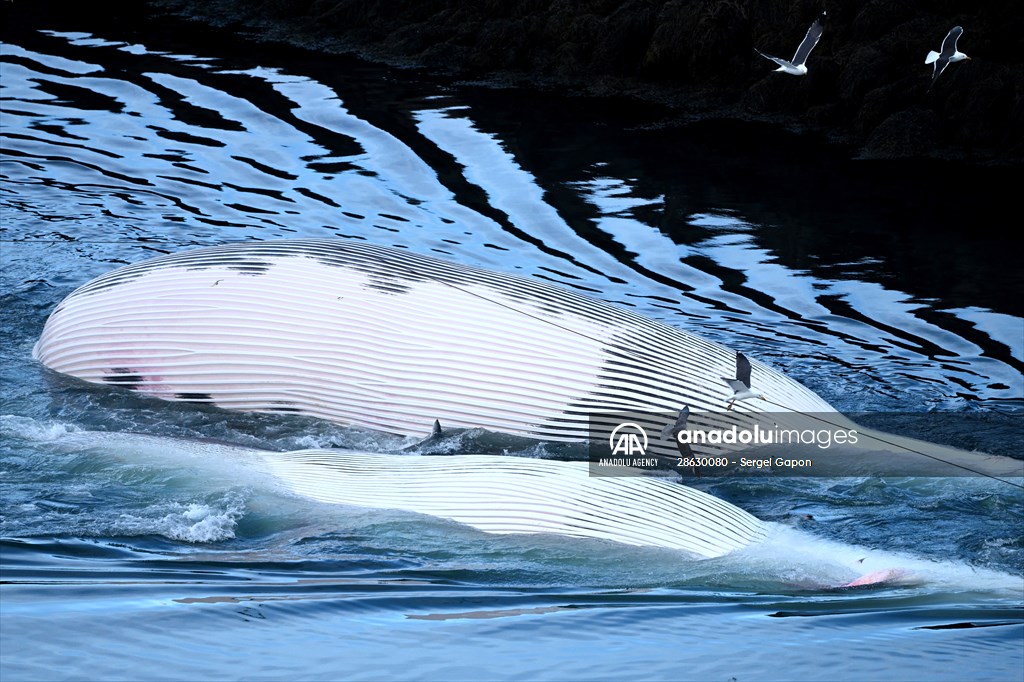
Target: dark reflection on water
882, 286
929, 229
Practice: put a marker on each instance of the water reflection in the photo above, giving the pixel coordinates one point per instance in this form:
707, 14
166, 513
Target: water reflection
874, 289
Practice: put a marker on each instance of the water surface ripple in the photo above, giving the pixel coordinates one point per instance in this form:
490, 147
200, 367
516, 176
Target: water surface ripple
879, 290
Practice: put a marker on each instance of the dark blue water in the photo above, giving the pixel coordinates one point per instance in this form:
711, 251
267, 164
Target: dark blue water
125, 560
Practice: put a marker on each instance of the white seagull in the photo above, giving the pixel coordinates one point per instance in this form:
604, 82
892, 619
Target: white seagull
741, 384
948, 54
798, 67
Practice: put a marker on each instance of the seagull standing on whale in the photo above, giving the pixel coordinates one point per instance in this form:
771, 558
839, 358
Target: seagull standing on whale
741, 384
948, 53
798, 67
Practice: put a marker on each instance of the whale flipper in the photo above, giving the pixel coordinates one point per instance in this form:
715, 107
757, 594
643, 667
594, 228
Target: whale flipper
499, 494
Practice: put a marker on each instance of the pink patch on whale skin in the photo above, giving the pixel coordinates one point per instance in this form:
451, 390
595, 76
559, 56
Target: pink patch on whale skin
883, 576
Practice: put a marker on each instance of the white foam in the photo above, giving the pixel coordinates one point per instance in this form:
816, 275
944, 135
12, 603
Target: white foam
33, 430
194, 522
795, 556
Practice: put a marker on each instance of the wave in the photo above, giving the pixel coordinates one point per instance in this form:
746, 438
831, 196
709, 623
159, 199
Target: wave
198, 492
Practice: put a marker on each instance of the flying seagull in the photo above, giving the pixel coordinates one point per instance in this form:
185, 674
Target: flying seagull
798, 67
741, 384
671, 432
949, 53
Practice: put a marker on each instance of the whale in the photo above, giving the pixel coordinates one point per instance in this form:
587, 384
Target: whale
387, 339
384, 338
501, 495
521, 495
495, 494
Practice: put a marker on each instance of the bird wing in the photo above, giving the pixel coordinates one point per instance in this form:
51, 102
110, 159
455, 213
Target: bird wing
671, 429
780, 62
810, 40
949, 42
743, 369
736, 385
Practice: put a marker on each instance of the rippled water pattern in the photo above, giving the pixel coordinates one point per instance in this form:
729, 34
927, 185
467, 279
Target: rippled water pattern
121, 562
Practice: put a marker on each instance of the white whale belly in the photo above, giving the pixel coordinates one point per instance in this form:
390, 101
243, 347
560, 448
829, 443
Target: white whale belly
383, 338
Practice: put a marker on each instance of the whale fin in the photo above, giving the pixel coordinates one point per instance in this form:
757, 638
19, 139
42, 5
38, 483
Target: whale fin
436, 437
